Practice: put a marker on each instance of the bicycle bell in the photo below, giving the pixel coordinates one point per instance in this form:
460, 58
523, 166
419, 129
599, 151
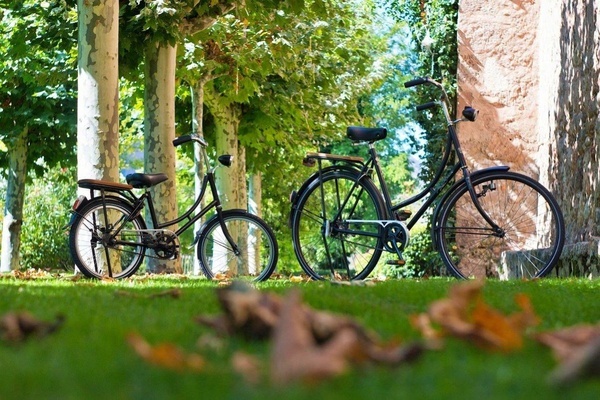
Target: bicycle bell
470, 113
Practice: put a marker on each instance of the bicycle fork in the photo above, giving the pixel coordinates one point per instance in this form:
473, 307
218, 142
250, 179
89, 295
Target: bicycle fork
498, 231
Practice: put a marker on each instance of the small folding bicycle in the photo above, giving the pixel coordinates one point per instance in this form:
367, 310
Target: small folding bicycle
108, 234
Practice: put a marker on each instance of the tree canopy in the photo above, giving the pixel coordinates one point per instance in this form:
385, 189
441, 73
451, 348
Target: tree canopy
38, 74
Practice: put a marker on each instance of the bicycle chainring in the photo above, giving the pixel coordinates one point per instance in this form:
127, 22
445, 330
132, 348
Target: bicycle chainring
396, 237
165, 243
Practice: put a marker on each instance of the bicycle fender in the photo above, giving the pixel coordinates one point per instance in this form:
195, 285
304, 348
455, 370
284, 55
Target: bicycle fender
296, 194
474, 174
75, 212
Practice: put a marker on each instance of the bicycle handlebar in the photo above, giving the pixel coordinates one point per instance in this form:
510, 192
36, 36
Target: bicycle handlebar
186, 138
426, 106
415, 82
182, 140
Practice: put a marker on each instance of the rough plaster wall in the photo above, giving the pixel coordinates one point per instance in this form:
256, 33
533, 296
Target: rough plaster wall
533, 69
497, 74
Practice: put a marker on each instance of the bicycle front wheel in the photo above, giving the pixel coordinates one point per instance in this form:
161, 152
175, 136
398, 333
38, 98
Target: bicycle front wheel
334, 228
528, 243
257, 249
105, 240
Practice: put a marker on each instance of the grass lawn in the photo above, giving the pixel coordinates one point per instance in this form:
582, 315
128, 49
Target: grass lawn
89, 358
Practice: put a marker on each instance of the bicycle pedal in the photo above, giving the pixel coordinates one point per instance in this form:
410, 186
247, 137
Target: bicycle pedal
396, 262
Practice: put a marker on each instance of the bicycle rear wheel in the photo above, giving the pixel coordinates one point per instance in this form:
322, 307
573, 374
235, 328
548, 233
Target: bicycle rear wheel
257, 245
532, 229
93, 246
338, 244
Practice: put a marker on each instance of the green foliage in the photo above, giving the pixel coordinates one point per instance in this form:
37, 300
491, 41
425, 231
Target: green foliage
298, 77
437, 20
38, 79
420, 256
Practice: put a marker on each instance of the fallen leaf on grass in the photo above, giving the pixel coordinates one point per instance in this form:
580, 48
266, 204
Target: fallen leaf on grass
308, 344
248, 366
577, 349
465, 315
165, 355
30, 274
296, 355
246, 311
299, 279
18, 326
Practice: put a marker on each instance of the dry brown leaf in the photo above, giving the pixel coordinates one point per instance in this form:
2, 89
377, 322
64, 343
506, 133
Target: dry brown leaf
246, 311
301, 354
564, 342
165, 355
248, 366
296, 356
309, 345
298, 279
30, 274
18, 326
577, 348
465, 315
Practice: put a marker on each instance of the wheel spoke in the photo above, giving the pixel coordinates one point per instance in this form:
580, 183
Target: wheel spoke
532, 229
326, 249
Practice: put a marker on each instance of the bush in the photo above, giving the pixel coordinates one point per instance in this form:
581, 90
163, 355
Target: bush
44, 243
420, 256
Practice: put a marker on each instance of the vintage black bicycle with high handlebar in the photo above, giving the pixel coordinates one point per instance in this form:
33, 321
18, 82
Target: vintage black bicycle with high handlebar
109, 237
487, 223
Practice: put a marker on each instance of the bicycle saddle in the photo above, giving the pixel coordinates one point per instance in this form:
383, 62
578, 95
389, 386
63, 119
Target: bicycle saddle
140, 181
362, 134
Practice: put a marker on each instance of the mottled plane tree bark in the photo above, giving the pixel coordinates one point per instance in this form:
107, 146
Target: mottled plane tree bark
159, 132
98, 90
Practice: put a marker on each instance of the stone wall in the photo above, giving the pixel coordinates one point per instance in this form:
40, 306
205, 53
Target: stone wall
533, 69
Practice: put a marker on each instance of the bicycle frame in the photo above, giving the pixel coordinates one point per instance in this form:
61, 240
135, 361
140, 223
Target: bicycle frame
145, 199
435, 187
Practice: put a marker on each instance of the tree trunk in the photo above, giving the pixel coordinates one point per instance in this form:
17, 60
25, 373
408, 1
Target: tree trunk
198, 128
98, 93
226, 124
159, 132
13, 209
231, 182
254, 207
255, 194
98, 90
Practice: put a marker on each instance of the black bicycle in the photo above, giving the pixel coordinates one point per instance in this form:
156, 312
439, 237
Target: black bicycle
108, 234
487, 223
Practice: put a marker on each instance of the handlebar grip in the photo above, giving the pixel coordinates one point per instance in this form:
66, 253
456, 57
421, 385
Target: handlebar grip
415, 82
426, 106
182, 140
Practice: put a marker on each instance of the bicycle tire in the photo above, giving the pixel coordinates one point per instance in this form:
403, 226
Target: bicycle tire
526, 211
86, 245
320, 250
255, 240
